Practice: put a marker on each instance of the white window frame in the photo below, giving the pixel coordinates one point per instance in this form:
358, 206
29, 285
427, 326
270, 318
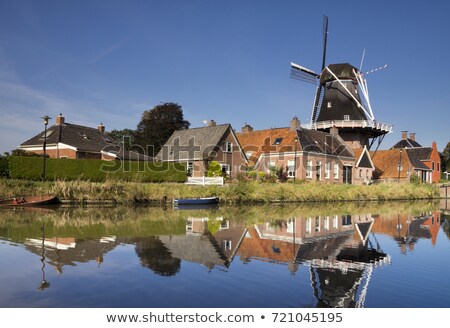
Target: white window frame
228, 147
309, 174
190, 166
335, 222
227, 168
291, 168
336, 171
317, 224
308, 226
326, 223
319, 172
346, 118
327, 170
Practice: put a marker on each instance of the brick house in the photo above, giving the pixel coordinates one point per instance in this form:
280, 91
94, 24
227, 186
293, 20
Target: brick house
67, 140
305, 154
199, 146
395, 165
427, 155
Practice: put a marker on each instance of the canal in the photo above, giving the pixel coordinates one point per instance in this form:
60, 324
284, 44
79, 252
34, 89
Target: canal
311, 255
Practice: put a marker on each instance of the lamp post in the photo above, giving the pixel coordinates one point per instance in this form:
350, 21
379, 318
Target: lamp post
46, 119
295, 158
399, 166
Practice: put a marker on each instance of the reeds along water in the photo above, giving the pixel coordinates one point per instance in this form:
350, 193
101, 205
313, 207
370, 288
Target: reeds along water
239, 192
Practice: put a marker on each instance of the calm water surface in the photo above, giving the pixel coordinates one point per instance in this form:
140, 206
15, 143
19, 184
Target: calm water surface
340, 255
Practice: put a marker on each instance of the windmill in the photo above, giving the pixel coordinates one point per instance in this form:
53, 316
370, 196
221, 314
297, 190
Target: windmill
342, 103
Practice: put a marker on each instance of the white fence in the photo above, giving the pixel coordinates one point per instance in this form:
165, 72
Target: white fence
204, 181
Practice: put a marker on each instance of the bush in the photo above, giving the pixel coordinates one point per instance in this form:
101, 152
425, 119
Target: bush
4, 167
95, 170
214, 169
415, 179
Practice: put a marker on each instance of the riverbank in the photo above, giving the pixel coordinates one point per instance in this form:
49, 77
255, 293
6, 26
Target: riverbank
243, 192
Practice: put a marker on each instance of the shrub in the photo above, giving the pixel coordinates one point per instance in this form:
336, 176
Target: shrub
415, 179
214, 169
95, 170
4, 166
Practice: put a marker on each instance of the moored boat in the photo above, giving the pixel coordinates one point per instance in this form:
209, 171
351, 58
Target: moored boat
196, 201
29, 201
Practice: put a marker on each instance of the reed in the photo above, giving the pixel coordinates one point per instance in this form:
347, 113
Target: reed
234, 193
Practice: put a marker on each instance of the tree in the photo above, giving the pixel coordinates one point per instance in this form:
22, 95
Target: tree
157, 125
446, 158
125, 138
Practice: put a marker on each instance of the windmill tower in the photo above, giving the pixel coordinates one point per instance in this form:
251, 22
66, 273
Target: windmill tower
342, 104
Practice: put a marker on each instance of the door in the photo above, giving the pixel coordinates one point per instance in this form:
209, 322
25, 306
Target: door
347, 174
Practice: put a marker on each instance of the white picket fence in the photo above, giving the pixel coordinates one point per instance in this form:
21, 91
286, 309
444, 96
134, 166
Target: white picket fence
205, 181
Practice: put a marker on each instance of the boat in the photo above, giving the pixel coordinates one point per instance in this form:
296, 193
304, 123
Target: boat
29, 201
196, 201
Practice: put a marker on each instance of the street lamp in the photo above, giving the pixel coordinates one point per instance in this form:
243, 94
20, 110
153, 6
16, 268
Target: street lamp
295, 158
46, 119
399, 166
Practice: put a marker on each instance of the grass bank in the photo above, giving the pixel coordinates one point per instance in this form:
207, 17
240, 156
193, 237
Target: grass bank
235, 193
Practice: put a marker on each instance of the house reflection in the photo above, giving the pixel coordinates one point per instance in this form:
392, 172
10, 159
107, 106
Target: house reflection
408, 230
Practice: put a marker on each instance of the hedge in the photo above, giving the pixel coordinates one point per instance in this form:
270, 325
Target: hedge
21, 167
4, 166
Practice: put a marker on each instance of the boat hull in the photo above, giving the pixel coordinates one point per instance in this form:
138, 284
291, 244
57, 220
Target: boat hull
29, 201
196, 201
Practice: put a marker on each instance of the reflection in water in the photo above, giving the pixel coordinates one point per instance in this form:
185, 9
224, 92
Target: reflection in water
340, 251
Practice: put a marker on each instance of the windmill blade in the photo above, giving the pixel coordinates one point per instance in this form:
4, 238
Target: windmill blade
325, 37
376, 69
317, 103
304, 74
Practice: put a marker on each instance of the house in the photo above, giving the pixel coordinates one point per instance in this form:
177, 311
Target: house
395, 165
305, 154
67, 140
199, 146
427, 155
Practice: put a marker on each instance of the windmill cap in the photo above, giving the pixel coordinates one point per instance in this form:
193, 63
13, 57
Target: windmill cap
342, 71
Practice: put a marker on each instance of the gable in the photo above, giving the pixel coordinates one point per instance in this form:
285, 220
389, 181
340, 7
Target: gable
364, 159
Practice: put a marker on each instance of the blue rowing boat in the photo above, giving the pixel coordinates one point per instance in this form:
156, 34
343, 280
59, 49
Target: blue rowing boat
196, 201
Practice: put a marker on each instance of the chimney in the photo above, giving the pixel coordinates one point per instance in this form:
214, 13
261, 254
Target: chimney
334, 131
404, 135
211, 123
101, 128
247, 128
412, 136
60, 119
295, 124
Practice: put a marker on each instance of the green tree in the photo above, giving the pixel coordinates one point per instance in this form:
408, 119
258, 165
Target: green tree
158, 124
446, 158
21, 152
125, 138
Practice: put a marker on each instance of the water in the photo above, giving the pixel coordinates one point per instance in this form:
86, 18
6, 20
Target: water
339, 255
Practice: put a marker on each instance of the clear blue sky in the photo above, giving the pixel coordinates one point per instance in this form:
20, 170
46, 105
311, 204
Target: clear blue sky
108, 61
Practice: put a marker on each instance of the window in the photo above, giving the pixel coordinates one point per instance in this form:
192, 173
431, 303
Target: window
329, 104
346, 220
336, 171
278, 141
326, 223
291, 168
438, 166
327, 170
271, 165
432, 166
317, 224
225, 224
49, 132
226, 169
226, 245
360, 173
367, 174
346, 117
190, 169
319, 171
309, 169
228, 147
62, 156
308, 227
335, 222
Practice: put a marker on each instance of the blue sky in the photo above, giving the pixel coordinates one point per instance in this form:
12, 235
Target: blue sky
108, 61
